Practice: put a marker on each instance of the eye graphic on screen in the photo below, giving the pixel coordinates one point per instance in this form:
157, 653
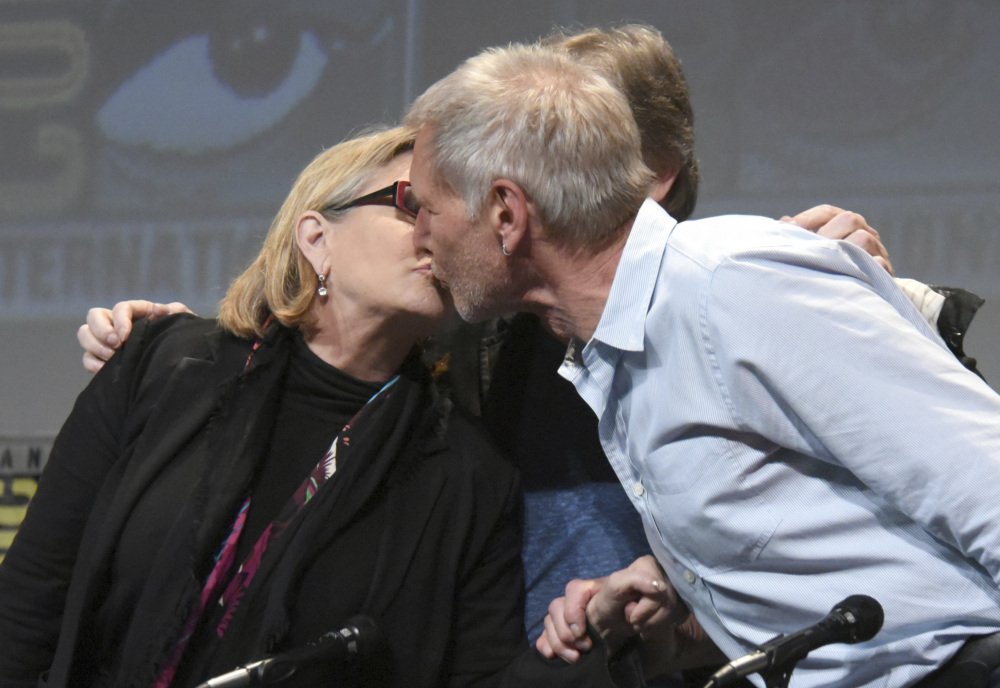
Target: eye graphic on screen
199, 96
213, 111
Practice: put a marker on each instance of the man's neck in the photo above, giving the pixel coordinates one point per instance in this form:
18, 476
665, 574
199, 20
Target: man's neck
574, 288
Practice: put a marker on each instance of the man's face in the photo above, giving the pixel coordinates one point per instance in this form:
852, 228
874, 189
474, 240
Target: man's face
465, 252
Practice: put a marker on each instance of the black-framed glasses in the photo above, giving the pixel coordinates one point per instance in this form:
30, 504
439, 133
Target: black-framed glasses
397, 194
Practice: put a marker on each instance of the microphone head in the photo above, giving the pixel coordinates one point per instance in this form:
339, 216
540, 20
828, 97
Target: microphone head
362, 634
860, 616
358, 640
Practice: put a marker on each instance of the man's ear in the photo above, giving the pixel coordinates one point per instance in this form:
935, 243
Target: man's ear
310, 235
661, 187
509, 211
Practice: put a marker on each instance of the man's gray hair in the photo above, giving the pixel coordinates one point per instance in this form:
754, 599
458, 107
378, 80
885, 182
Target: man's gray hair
558, 129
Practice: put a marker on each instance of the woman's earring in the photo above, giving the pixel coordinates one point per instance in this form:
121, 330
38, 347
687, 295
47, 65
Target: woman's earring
322, 285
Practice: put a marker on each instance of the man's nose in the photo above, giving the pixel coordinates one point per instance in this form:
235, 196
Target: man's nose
420, 230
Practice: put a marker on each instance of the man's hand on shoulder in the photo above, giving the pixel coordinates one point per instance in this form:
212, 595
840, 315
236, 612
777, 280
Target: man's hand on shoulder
106, 330
836, 223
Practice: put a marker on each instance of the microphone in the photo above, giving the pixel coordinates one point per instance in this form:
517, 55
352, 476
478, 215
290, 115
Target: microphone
358, 638
854, 620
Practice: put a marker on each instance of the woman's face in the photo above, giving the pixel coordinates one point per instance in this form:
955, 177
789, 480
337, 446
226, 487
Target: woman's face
375, 270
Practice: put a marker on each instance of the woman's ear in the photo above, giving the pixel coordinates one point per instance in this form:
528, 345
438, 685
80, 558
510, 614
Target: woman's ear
310, 234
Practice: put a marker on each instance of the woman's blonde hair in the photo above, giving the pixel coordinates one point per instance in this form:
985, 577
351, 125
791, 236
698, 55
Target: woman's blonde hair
280, 281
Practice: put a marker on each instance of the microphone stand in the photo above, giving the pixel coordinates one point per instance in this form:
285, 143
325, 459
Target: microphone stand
778, 677
783, 654
779, 674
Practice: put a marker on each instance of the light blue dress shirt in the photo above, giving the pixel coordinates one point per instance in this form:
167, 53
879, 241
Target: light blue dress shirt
792, 432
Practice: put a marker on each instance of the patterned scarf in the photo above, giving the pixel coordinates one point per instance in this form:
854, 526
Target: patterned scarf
224, 586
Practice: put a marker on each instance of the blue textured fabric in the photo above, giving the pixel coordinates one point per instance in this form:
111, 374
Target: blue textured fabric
586, 531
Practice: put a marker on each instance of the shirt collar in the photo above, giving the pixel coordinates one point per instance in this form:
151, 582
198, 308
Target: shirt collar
623, 320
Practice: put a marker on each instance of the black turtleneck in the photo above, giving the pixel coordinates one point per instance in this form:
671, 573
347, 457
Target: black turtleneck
316, 402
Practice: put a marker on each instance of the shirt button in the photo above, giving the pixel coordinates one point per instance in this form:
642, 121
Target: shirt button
638, 490
689, 576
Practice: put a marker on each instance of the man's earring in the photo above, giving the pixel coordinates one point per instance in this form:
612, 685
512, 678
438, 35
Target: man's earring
504, 249
322, 291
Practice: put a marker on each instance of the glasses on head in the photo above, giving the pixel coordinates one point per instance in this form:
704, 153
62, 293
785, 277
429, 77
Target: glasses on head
397, 194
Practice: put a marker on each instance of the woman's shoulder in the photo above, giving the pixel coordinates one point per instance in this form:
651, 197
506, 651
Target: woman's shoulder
158, 348
167, 340
183, 333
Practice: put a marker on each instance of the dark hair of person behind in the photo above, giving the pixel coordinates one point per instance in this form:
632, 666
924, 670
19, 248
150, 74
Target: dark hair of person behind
650, 75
